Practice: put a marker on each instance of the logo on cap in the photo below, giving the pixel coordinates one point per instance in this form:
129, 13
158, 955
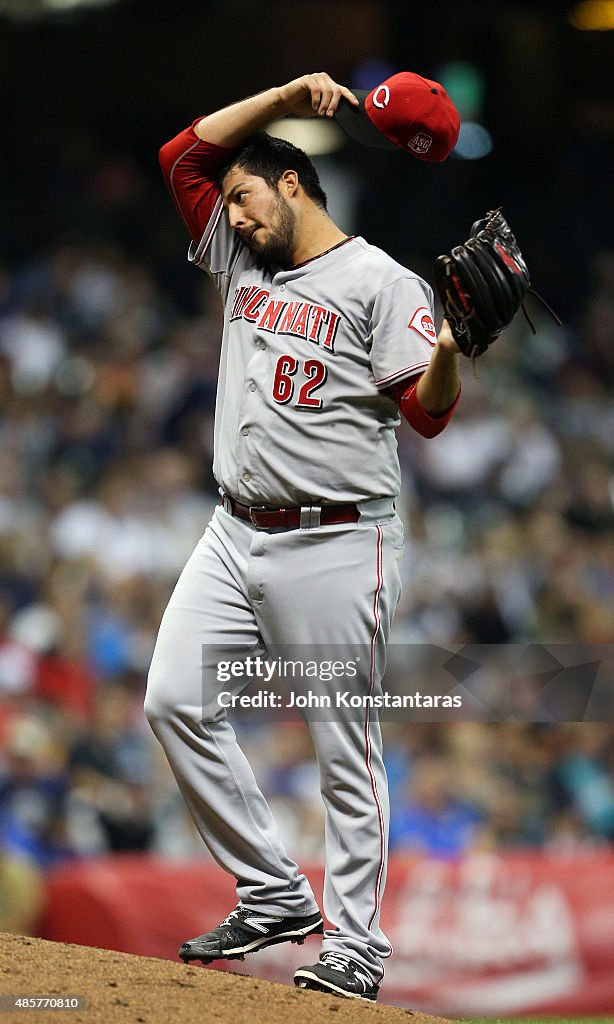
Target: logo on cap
381, 103
421, 143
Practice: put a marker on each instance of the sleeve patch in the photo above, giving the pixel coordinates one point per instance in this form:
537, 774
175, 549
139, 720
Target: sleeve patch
422, 323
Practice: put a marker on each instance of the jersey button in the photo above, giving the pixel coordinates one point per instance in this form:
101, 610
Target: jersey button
245, 431
282, 288
252, 386
246, 477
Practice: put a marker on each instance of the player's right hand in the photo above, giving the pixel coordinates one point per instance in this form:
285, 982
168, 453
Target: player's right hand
314, 96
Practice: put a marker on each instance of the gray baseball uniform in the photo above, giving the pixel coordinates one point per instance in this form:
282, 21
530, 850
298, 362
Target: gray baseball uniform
302, 419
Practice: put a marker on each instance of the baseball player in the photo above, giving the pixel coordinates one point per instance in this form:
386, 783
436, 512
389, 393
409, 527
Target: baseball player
325, 339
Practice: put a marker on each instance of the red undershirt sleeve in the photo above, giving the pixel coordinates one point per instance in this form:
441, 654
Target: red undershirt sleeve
190, 168
417, 417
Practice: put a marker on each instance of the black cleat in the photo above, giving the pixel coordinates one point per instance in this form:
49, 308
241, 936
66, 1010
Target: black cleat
245, 931
337, 974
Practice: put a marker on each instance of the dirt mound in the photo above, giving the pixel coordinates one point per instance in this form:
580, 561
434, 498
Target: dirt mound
119, 987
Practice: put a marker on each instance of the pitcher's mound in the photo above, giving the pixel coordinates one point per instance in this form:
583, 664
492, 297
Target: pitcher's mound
119, 987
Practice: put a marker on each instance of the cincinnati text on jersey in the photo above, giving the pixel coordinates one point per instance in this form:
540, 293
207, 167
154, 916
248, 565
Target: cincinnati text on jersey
298, 319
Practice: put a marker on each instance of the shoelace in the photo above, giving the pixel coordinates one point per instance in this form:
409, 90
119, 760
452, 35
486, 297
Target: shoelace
232, 915
338, 961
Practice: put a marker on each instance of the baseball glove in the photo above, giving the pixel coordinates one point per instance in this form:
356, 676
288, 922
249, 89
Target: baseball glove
483, 283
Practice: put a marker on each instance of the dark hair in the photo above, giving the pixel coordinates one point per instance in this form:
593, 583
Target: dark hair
267, 157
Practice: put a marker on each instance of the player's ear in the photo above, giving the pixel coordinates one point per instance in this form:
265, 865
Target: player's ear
289, 183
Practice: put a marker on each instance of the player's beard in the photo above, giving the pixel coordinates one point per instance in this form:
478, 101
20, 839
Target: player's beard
279, 245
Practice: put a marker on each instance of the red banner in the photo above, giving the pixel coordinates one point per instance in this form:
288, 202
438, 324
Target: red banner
500, 935
488, 935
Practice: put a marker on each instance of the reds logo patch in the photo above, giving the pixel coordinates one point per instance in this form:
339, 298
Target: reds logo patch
421, 143
422, 323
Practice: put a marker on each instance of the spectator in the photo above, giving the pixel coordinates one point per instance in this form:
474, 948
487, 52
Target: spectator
33, 793
21, 893
110, 766
431, 818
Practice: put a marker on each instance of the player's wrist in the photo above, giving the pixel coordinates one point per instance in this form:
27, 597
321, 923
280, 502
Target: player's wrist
283, 99
445, 340
447, 349
275, 100
263, 108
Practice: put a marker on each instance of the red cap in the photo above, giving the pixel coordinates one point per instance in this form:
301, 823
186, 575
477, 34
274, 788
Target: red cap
406, 111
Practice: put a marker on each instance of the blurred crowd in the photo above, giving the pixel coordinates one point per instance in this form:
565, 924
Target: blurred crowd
108, 363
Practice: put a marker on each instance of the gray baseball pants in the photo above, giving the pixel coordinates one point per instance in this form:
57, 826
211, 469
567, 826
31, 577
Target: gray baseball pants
261, 591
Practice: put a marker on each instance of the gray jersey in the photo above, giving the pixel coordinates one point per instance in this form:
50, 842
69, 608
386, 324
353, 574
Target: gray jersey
302, 414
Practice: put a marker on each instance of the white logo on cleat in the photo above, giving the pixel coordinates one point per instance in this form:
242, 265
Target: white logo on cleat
260, 923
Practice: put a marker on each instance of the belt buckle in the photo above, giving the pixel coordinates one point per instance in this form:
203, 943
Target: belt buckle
257, 508
310, 517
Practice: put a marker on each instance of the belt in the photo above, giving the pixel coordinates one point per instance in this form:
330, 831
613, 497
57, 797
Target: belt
304, 517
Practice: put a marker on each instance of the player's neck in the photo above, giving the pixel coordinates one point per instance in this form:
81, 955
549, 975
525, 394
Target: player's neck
317, 234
